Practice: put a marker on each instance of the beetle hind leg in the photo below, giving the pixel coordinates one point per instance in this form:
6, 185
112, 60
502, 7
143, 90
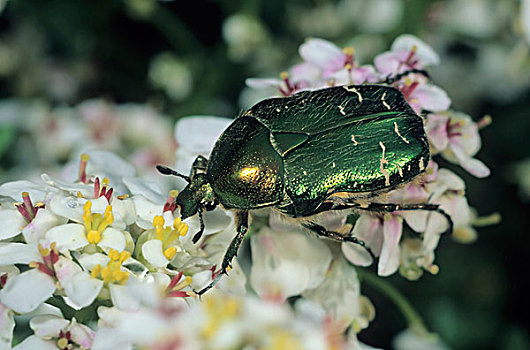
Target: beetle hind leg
321, 231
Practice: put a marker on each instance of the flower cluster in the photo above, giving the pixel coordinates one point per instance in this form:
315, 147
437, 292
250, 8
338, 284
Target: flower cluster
113, 245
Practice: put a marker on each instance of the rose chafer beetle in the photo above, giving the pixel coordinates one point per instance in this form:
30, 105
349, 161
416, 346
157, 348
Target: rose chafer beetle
331, 149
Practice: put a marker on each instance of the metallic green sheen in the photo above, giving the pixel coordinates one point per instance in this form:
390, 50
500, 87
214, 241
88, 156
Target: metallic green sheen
358, 139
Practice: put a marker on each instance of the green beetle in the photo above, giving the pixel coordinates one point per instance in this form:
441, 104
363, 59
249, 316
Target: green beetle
315, 151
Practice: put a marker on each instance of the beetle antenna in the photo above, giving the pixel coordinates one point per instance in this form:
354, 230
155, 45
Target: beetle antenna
168, 171
198, 235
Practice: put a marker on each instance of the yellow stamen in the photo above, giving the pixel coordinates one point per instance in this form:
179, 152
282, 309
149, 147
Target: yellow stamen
414, 48
174, 193
114, 254
186, 282
123, 196
183, 230
85, 157
349, 50
176, 222
124, 256
62, 343
93, 237
284, 75
347, 66
96, 271
105, 181
170, 253
79, 195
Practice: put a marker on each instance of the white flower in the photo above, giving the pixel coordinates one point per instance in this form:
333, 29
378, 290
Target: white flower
287, 263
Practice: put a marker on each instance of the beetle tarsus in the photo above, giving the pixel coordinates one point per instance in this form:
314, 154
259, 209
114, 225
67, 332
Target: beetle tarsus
321, 231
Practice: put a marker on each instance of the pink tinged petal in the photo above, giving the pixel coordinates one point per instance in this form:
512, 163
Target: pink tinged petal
7, 325
68, 236
48, 326
25, 292
12, 223
33, 342
324, 54
18, 253
82, 334
304, 72
45, 219
473, 166
424, 53
78, 285
388, 62
437, 131
389, 259
431, 97
112, 238
369, 229
450, 180
152, 252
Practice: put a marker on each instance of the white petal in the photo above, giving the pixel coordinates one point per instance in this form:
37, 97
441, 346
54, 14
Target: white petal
424, 52
12, 223
48, 326
14, 190
339, 293
67, 237
262, 83
81, 334
89, 261
148, 189
70, 207
25, 292
33, 342
73, 188
78, 285
214, 221
99, 165
152, 252
35, 231
389, 259
18, 253
122, 298
112, 238
287, 263
146, 211
199, 133
7, 324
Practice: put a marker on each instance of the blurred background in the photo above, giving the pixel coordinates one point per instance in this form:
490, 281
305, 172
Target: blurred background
117, 74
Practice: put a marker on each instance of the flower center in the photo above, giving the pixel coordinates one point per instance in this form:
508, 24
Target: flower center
113, 273
27, 209
219, 312
96, 223
103, 189
168, 236
49, 258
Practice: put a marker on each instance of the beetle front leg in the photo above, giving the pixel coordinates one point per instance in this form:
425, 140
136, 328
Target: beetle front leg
321, 231
233, 248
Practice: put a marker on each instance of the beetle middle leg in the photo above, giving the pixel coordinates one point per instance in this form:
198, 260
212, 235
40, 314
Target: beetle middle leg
321, 231
231, 252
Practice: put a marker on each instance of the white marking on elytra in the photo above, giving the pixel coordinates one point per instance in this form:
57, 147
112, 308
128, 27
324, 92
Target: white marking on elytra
382, 165
278, 110
359, 96
333, 165
396, 129
421, 165
305, 172
400, 170
384, 102
341, 109
355, 143
355, 184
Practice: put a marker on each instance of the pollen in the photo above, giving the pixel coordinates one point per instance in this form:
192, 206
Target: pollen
284, 75
348, 51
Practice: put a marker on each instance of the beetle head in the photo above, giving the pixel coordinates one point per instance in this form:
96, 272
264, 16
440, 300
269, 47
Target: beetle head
198, 195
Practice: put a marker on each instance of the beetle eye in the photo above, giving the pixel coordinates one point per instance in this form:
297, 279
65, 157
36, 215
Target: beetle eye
209, 206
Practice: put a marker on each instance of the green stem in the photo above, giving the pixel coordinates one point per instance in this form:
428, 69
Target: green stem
414, 320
